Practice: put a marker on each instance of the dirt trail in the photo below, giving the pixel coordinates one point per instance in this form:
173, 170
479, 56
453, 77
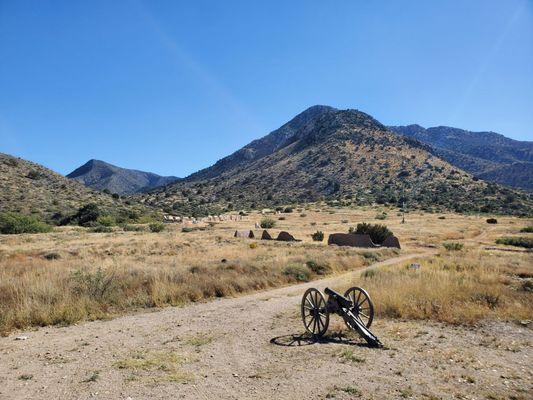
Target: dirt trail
244, 348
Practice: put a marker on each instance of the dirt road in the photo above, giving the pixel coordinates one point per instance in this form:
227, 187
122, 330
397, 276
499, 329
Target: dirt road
248, 348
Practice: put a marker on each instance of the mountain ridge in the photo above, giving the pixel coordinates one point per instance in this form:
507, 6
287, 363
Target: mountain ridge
32, 189
101, 175
487, 155
329, 154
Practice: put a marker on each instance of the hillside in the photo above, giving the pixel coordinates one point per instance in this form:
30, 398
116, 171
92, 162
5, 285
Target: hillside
100, 175
329, 154
488, 155
30, 188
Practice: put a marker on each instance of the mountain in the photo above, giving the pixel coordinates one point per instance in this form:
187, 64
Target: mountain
100, 175
32, 189
487, 155
329, 154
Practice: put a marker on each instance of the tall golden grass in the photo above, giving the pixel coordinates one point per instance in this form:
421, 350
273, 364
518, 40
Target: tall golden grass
72, 275
35, 291
458, 287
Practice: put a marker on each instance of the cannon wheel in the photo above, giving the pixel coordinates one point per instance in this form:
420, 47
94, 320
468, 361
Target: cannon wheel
315, 315
363, 308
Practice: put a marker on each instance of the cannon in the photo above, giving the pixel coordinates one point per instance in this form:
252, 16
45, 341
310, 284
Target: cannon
355, 308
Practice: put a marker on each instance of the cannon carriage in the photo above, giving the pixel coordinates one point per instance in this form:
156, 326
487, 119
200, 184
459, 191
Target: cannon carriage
355, 308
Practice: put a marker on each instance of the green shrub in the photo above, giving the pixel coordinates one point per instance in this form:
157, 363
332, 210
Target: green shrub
288, 210
378, 233
298, 272
86, 215
381, 216
371, 273
98, 285
453, 246
267, 223
106, 220
156, 227
318, 268
318, 236
133, 228
13, 223
527, 229
35, 175
492, 221
370, 255
518, 241
101, 229
186, 229
52, 256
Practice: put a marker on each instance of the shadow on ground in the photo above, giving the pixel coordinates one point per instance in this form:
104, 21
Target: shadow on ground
298, 340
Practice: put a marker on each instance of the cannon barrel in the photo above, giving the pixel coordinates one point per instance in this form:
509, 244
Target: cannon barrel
339, 298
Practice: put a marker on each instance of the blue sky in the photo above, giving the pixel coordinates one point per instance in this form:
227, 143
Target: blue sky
172, 86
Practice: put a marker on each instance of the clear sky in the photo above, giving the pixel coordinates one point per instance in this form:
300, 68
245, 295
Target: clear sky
172, 86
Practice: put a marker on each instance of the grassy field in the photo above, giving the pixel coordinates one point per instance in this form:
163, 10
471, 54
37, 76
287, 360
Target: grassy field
71, 274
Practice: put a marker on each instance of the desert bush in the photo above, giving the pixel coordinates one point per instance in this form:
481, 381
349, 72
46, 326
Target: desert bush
52, 256
186, 229
101, 229
13, 223
370, 255
298, 272
97, 285
381, 216
318, 236
453, 246
319, 268
442, 217
288, 210
527, 229
303, 215
517, 241
106, 220
132, 228
282, 218
267, 223
33, 174
253, 245
492, 221
156, 227
378, 233
86, 215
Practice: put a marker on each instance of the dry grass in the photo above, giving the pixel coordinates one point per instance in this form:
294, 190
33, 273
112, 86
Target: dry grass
455, 287
167, 364
71, 275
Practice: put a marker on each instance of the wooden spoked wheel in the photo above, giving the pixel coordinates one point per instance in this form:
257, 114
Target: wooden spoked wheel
362, 308
315, 315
